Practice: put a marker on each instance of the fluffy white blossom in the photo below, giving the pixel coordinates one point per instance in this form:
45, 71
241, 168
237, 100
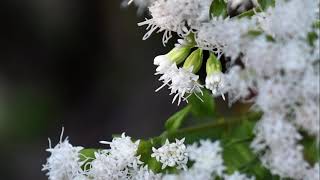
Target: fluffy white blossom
182, 82
180, 16
172, 154
290, 19
227, 36
207, 156
64, 162
118, 162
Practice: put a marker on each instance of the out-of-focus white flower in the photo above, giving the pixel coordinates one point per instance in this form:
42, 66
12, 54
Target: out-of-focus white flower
64, 161
224, 36
172, 154
290, 19
237, 176
207, 157
277, 140
313, 173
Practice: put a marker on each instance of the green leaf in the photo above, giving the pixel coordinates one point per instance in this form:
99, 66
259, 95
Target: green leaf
175, 121
145, 151
218, 8
86, 154
265, 4
204, 107
249, 13
311, 149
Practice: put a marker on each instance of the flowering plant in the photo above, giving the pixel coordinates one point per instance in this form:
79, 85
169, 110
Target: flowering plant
261, 52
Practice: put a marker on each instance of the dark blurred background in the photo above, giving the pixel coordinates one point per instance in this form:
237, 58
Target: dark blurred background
80, 64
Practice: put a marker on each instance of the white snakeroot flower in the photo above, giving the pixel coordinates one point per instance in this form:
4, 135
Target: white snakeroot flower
180, 16
104, 166
181, 81
237, 176
184, 82
215, 83
224, 36
124, 150
207, 157
172, 154
277, 139
64, 161
290, 19
118, 162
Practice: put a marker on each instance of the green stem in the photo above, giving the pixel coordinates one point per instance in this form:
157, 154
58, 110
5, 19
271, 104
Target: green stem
221, 122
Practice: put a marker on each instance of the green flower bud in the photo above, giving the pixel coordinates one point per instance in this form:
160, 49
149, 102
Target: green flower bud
178, 54
213, 65
194, 60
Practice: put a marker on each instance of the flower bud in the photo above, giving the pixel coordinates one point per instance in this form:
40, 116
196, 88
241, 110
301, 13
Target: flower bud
194, 61
179, 54
213, 65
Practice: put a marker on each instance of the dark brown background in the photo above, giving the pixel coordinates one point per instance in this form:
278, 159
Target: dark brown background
80, 64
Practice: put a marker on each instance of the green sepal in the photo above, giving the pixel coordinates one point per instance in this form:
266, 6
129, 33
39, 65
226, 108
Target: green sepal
213, 65
194, 60
179, 54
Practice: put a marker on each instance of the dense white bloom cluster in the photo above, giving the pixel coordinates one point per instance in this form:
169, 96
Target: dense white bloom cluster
121, 162
172, 154
278, 70
64, 162
118, 162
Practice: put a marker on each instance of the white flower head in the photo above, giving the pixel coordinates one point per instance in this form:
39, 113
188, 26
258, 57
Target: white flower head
64, 161
124, 150
105, 166
172, 154
184, 82
179, 16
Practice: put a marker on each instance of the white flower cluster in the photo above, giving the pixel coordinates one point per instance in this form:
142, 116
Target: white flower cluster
208, 164
64, 162
121, 162
172, 154
278, 70
283, 70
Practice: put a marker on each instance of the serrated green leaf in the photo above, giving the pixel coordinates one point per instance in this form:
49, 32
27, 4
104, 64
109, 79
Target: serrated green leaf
204, 107
218, 8
175, 121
